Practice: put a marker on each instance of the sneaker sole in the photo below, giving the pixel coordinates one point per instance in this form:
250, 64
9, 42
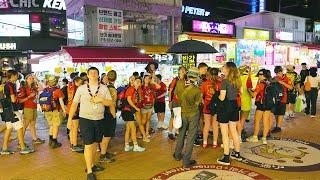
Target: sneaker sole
234, 158
223, 163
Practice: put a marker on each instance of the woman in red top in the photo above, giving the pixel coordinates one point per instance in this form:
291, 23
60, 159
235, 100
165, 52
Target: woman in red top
263, 110
148, 99
73, 126
208, 89
127, 114
28, 96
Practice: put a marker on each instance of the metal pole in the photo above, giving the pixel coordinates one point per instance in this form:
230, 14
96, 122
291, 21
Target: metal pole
279, 6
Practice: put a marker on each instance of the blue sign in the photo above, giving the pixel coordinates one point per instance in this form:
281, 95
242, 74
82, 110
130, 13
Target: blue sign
195, 11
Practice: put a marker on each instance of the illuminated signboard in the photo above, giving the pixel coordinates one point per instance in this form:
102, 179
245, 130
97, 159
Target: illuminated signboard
8, 46
284, 36
195, 11
256, 34
212, 27
52, 4
14, 25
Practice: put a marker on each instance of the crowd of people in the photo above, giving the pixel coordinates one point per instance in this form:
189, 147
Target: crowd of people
201, 99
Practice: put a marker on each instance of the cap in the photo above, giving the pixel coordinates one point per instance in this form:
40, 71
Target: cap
193, 72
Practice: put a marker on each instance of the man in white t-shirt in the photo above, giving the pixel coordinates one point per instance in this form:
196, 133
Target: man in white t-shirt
92, 97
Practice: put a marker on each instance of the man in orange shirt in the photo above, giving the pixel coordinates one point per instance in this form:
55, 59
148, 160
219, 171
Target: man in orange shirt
55, 116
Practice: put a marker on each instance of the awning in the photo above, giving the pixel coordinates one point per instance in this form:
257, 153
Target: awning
106, 54
313, 46
154, 49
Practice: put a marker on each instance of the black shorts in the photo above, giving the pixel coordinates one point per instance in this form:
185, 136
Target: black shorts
279, 109
91, 130
159, 107
127, 116
109, 125
75, 117
261, 107
292, 96
228, 112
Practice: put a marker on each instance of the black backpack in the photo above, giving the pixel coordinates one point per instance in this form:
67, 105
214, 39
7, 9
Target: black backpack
273, 93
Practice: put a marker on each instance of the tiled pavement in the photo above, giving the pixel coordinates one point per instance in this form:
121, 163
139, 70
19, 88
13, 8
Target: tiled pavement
61, 163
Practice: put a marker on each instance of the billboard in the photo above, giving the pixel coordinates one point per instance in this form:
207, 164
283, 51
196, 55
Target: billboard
212, 27
256, 34
14, 25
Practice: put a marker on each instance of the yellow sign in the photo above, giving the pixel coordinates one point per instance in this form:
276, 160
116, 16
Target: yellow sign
58, 70
256, 34
70, 69
108, 68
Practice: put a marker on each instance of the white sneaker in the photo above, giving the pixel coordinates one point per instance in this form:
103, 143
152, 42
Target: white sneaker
146, 140
138, 149
292, 115
264, 141
128, 148
312, 116
253, 139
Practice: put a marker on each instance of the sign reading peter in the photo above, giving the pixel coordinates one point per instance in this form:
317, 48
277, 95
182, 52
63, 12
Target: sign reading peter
110, 22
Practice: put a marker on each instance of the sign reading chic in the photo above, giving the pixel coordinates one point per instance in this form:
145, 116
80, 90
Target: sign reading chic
51, 4
195, 11
212, 27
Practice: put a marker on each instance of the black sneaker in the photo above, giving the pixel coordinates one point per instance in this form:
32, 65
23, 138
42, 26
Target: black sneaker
197, 143
105, 159
200, 137
110, 155
96, 168
55, 144
225, 160
236, 156
190, 164
276, 130
77, 148
91, 176
171, 137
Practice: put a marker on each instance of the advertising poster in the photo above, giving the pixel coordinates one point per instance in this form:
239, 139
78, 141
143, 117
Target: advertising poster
212, 27
110, 22
269, 54
250, 52
280, 55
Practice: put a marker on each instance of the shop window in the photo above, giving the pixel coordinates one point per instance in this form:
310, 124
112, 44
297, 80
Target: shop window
57, 27
295, 24
282, 22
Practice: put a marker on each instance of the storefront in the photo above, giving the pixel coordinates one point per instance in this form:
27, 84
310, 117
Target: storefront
219, 35
29, 28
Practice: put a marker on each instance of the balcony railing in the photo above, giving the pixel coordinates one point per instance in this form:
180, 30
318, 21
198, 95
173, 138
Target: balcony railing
312, 37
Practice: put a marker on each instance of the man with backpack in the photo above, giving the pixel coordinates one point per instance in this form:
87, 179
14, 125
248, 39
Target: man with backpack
175, 89
51, 102
282, 84
110, 122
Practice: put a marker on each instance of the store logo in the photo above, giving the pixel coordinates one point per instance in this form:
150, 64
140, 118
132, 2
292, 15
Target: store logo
209, 171
195, 11
55, 4
52, 4
8, 46
283, 154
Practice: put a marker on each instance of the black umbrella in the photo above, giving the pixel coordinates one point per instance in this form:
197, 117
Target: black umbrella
192, 47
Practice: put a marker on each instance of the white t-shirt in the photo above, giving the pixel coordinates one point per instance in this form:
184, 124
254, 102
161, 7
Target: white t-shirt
314, 81
89, 110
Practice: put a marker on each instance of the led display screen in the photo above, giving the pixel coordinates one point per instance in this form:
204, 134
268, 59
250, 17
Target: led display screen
14, 25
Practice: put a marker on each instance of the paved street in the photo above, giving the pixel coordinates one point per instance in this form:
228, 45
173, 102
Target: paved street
61, 163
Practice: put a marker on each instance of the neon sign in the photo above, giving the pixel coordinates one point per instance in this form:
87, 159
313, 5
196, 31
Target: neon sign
195, 11
52, 4
212, 27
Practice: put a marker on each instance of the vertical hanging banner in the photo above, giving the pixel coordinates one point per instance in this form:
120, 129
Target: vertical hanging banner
110, 22
189, 60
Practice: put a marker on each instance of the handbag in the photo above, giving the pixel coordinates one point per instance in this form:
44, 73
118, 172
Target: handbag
307, 85
177, 120
300, 103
